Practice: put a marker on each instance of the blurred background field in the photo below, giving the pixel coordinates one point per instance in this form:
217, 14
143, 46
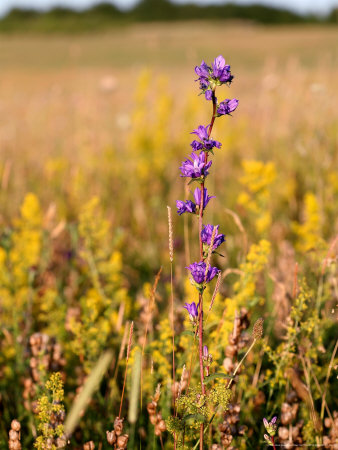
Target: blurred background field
93, 128
89, 113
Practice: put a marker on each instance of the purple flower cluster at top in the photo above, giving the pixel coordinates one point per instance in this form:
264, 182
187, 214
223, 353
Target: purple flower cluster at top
189, 206
198, 272
206, 235
195, 167
216, 75
205, 142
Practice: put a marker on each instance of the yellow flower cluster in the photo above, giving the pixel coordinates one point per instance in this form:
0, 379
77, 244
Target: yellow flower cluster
148, 138
19, 260
309, 231
257, 180
50, 414
97, 322
161, 349
245, 293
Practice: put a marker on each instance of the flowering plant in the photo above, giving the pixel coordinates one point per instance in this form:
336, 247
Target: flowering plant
201, 272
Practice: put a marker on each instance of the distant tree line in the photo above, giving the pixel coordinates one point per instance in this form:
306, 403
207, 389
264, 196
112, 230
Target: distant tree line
105, 15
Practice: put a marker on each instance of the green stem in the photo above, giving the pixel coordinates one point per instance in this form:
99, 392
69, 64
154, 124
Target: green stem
205, 430
241, 362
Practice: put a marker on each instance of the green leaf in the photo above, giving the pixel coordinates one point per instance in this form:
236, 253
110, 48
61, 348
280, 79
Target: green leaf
188, 333
199, 180
194, 417
213, 376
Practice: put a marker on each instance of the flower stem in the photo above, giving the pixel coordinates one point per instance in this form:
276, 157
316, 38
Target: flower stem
200, 336
273, 443
200, 221
200, 224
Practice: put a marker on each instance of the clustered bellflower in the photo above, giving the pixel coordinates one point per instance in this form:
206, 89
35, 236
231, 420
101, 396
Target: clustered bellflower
271, 427
216, 75
191, 207
200, 274
205, 142
227, 107
195, 167
192, 309
207, 235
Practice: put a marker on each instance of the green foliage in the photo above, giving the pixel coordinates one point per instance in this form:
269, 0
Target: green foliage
105, 15
195, 408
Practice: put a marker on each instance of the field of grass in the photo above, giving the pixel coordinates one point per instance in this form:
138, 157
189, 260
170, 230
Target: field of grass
93, 129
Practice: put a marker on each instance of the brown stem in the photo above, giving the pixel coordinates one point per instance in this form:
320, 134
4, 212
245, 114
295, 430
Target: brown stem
200, 336
273, 443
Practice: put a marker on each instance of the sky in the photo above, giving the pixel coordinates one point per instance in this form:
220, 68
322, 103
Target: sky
301, 6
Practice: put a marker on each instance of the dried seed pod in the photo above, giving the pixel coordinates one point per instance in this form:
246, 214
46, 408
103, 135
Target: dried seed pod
14, 445
15, 425
151, 408
111, 437
258, 330
118, 426
289, 413
13, 435
162, 426
61, 442
122, 441
283, 433
231, 351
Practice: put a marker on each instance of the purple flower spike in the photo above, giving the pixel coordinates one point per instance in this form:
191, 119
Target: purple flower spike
205, 351
183, 207
197, 271
206, 235
271, 426
192, 309
196, 167
227, 106
206, 198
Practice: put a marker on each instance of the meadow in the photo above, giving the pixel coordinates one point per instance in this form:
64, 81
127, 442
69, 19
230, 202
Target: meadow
93, 129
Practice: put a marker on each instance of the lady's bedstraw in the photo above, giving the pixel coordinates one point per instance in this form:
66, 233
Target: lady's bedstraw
197, 168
